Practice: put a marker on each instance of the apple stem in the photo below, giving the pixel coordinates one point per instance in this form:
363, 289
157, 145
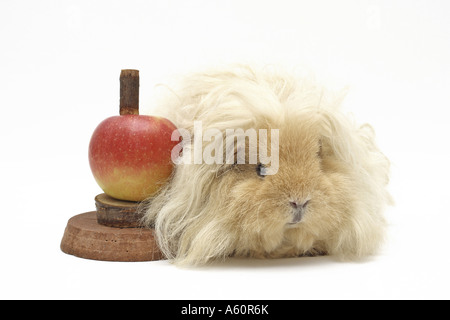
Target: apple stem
129, 92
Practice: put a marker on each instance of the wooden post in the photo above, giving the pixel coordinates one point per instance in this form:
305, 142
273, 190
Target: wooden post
129, 92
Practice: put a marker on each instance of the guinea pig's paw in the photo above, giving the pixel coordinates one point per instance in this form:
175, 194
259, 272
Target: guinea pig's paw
314, 252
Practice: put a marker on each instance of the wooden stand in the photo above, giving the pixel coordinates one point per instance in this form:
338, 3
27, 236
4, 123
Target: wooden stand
112, 233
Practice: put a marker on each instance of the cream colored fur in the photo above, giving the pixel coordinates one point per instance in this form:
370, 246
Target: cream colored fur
209, 212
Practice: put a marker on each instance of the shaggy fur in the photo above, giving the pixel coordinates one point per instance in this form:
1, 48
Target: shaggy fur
209, 212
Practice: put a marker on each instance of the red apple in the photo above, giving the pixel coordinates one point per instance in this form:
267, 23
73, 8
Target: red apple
130, 154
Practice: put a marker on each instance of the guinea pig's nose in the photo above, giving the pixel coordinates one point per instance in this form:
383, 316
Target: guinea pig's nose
299, 210
299, 205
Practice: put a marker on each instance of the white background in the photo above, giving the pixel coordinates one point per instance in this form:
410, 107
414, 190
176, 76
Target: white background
59, 68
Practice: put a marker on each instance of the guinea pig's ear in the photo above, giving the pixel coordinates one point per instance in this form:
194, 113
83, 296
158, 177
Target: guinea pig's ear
320, 151
340, 137
354, 145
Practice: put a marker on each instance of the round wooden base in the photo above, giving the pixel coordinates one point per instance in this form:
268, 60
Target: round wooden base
85, 238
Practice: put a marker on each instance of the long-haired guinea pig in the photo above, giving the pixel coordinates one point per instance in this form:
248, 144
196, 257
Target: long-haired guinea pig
269, 167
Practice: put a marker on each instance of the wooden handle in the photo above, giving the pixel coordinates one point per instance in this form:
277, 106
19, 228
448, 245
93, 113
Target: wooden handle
129, 92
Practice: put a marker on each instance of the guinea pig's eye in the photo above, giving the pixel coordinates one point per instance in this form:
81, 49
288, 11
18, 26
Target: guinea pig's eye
261, 170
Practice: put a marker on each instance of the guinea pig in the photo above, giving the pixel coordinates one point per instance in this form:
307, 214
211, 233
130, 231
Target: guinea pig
297, 177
